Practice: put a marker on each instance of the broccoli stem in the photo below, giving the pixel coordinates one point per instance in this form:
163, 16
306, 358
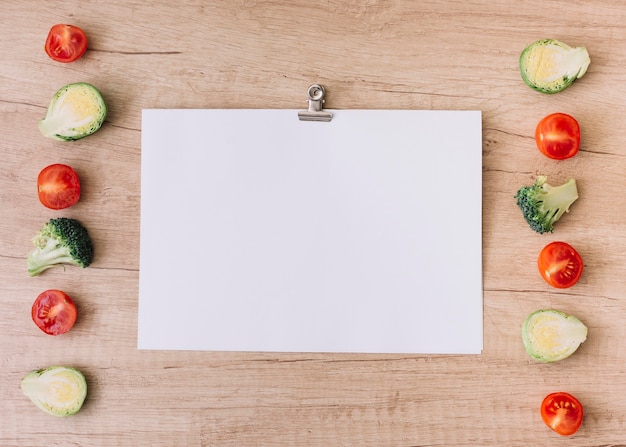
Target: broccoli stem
559, 198
48, 256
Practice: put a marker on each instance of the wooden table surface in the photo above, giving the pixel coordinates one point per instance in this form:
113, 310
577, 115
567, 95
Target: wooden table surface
369, 54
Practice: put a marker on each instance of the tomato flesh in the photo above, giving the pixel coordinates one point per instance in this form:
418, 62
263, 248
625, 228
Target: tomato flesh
66, 43
562, 412
54, 312
558, 136
58, 186
560, 265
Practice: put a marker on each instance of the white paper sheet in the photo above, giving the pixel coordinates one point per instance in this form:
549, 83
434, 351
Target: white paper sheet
260, 232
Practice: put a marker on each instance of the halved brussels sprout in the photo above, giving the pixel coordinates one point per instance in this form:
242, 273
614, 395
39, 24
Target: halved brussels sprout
550, 335
75, 111
57, 390
550, 66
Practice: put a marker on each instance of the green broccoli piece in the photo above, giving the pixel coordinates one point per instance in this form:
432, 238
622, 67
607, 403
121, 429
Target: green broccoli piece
543, 204
60, 241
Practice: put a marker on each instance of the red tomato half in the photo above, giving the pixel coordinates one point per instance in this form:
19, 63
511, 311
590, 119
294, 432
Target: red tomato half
58, 186
562, 413
560, 264
54, 312
558, 136
66, 43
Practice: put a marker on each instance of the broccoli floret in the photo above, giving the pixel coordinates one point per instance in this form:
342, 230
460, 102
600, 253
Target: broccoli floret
543, 204
60, 241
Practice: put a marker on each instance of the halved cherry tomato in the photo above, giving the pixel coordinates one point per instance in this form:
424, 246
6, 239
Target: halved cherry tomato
66, 43
558, 136
54, 312
562, 412
560, 264
58, 186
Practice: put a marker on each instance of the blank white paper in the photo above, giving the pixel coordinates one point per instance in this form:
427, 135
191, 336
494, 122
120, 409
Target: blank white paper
260, 232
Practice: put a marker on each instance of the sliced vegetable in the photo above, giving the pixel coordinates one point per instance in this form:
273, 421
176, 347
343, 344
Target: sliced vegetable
560, 265
57, 390
75, 111
562, 412
550, 66
543, 205
54, 312
550, 335
58, 186
558, 136
61, 241
66, 43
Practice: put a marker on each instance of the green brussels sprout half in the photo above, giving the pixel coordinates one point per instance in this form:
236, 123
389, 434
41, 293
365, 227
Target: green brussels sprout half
75, 111
550, 335
550, 66
57, 390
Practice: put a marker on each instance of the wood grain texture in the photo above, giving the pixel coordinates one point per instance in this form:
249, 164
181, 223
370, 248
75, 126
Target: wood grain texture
369, 54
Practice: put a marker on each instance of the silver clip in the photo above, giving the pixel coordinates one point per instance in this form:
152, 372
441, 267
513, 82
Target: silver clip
316, 101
